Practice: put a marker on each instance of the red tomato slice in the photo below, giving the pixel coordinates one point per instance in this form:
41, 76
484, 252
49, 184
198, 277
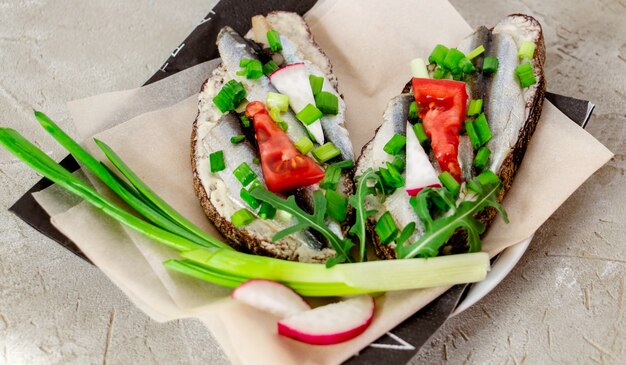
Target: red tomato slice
442, 105
284, 167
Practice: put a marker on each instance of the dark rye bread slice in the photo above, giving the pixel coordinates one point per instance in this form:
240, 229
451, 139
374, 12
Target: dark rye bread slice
293, 27
512, 162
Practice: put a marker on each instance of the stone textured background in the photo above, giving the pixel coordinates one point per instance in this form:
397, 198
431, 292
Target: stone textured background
563, 303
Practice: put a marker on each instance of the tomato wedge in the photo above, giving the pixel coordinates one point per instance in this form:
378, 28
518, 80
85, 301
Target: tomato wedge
442, 107
284, 167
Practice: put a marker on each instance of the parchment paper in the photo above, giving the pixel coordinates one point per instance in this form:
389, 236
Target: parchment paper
369, 44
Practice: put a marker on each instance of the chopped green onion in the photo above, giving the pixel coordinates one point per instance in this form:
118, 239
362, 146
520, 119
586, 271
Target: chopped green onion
283, 125
458, 76
391, 176
525, 74
473, 136
386, 228
256, 161
399, 162
490, 65
242, 217
253, 69
270, 67
331, 178
267, 211
273, 38
216, 160
244, 121
244, 61
453, 60
406, 233
476, 52
304, 145
395, 144
336, 205
396, 175
440, 73
475, 107
230, 96
482, 129
418, 68
482, 156
450, 183
345, 164
413, 115
438, 55
327, 103
256, 183
309, 114
418, 128
316, 84
275, 115
278, 118
466, 66
488, 177
278, 101
237, 139
526, 50
249, 199
244, 174
325, 152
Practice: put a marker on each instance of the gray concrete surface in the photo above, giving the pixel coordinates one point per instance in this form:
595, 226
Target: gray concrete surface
563, 303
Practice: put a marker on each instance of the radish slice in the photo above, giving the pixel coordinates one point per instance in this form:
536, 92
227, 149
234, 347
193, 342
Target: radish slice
420, 173
330, 324
293, 81
270, 296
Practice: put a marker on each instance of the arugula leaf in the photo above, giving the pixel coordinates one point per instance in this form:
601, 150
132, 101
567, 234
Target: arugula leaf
306, 220
438, 231
357, 201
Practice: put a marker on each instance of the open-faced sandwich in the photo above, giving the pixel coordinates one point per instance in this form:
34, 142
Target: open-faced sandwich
451, 143
271, 115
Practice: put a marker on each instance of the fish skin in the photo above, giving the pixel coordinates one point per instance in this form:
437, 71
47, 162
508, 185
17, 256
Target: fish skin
504, 104
394, 121
482, 36
233, 48
218, 138
476, 89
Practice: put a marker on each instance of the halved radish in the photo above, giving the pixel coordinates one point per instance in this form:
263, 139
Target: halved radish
271, 297
420, 173
293, 81
330, 324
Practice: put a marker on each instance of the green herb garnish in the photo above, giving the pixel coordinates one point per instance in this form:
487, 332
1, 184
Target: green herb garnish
357, 201
305, 220
438, 231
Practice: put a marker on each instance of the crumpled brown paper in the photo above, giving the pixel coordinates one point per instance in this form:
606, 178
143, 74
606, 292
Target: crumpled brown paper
370, 44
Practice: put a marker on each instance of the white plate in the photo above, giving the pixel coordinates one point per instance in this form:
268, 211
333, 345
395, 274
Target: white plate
504, 263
